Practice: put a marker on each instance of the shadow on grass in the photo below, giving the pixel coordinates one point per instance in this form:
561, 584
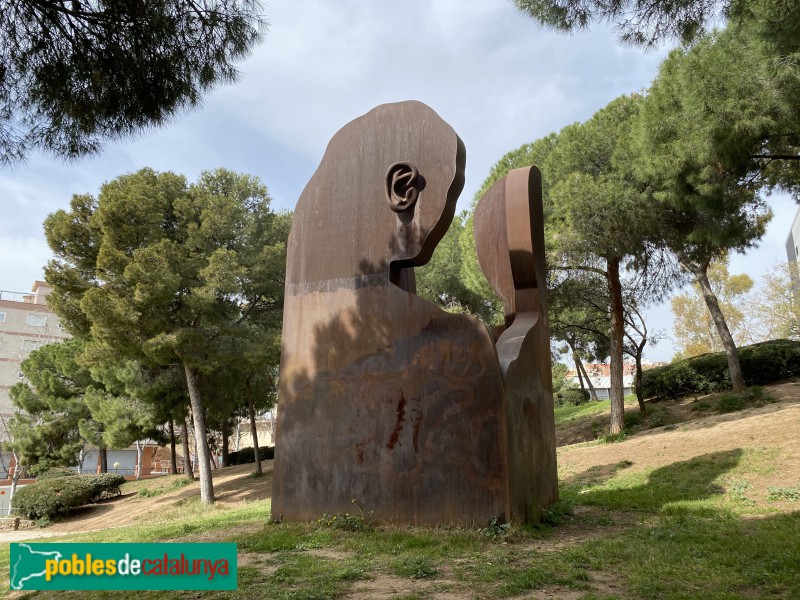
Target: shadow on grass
597, 475
674, 485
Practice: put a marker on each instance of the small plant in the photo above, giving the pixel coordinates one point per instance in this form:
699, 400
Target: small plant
554, 514
611, 438
348, 522
149, 493
737, 490
632, 420
181, 482
416, 567
730, 402
658, 419
790, 494
700, 406
756, 395
495, 529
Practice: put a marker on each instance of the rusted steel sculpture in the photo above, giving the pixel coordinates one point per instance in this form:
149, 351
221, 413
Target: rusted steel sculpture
509, 239
384, 398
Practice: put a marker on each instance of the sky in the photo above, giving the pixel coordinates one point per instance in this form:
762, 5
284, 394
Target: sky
493, 74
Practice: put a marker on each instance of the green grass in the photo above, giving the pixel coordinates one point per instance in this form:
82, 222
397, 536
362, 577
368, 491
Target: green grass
689, 529
161, 484
569, 413
688, 541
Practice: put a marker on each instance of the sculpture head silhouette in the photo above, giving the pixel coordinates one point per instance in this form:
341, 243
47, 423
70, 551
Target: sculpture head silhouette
383, 197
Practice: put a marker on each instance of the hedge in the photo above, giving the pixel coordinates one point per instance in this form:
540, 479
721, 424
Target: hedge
570, 397
55, 472
761, 364
51, 497
248, 455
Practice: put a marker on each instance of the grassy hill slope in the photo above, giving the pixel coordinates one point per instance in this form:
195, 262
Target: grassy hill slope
699, 508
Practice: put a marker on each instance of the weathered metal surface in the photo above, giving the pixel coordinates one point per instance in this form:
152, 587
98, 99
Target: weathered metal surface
514, 265
384, 398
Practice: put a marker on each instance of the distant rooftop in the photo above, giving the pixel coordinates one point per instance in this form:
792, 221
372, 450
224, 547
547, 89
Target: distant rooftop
13, 296
39, 291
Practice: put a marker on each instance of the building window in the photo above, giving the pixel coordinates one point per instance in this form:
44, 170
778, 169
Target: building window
36, 320
29, 346
2, 316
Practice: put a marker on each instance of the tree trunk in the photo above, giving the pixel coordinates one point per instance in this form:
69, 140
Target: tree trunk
700, 272
103, 459
251, 409
238, 433
173, 453
14, 480
592, 391
225, 440
138, 460
203, 455
617, 392
187, 463
577, 360
639, 395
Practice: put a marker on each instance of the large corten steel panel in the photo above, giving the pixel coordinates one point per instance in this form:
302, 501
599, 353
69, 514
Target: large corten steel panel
514, 265
384, 398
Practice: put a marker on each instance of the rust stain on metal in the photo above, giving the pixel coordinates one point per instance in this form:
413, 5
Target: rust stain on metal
398, 426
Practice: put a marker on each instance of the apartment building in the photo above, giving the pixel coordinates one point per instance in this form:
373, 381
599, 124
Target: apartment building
26, 323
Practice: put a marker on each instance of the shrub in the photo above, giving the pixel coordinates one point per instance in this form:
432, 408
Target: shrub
753, 396
105, 485
247, 455
52, 497
658, 418
761, 363
632, 420
730, 403
57, 496
571, 397
55, 472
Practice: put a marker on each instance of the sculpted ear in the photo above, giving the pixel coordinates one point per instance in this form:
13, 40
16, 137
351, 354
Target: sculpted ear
403, 185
